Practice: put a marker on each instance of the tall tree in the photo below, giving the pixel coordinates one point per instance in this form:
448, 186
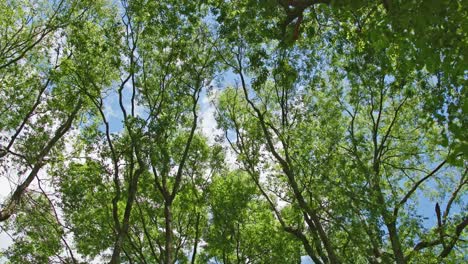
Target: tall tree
346, 121
304, 133
44, 56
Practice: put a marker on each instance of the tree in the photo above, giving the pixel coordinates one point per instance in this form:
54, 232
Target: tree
346, 121
159, 146
242, 229
40, 94
294, 124
428, 37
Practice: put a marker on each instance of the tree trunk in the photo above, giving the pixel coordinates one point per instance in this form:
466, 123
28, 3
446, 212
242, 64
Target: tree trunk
197, 234
396, 246
117, 248
168, 217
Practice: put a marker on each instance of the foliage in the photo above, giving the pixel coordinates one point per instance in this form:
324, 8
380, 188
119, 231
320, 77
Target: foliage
241, 227
343, 131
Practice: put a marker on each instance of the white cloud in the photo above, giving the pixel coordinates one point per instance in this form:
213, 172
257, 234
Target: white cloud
207, 117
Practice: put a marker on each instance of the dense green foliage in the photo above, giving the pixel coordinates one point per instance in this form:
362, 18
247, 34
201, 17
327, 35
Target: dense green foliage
340, 131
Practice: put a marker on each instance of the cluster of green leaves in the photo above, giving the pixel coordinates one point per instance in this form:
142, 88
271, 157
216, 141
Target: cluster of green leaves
36, 231
241, 227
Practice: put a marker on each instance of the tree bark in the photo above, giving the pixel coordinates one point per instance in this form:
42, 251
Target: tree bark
395, 240
168, 216
126, 221
197, 234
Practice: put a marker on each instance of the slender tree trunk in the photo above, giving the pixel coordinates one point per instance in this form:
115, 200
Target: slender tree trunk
197, 234
395, 240
115, 259
168, 216
308, 248
126, 221
391, 226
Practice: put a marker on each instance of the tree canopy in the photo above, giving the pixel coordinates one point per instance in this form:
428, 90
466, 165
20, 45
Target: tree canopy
246, 131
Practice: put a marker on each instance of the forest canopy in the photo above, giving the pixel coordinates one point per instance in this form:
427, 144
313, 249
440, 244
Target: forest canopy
237, 131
